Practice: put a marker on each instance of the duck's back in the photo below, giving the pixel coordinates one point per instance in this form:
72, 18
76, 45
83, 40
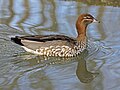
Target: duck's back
37, 41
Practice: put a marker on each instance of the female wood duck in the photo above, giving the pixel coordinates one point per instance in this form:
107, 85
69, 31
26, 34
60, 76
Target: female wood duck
57, 45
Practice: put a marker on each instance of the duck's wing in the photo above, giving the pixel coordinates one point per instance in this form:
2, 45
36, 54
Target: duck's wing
37, 41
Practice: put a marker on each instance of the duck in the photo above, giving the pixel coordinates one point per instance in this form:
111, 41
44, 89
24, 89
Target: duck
58, 45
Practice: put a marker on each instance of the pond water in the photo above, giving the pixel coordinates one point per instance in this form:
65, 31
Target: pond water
97, 68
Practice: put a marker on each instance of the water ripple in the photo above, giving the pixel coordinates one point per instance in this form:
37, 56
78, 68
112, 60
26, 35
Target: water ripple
98, 50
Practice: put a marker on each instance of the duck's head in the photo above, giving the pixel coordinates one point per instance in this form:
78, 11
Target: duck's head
82, 22
86, 19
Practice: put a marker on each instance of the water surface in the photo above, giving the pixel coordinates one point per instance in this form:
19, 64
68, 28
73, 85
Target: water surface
97, 68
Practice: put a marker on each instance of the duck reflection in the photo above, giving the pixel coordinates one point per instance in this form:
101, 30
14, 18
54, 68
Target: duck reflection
82, 73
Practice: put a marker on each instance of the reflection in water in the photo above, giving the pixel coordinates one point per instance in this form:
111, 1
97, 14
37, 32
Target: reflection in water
34, 17
82, 73
28, 72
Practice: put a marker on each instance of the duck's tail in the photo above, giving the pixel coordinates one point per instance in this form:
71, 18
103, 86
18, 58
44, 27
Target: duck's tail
17, 40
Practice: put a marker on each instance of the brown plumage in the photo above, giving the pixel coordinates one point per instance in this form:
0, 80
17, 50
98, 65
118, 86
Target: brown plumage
57, 45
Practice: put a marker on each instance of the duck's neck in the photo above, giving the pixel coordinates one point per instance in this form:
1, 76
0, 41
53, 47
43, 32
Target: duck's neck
81, 30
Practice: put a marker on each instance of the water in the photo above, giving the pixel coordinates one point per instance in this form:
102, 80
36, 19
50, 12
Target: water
97, 68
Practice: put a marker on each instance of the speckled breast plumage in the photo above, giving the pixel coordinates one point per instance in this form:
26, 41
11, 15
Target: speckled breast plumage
60, 51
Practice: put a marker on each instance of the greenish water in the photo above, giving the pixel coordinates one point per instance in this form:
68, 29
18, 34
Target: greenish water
97, 68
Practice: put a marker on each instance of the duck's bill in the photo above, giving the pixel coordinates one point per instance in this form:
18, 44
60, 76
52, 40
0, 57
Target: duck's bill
95, 20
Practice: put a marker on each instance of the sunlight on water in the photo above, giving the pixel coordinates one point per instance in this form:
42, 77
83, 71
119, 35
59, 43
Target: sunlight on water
97, 68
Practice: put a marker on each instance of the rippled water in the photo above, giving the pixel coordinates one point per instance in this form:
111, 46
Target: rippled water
97, 68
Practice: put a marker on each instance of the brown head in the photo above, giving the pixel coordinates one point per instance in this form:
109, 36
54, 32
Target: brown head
82, 22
